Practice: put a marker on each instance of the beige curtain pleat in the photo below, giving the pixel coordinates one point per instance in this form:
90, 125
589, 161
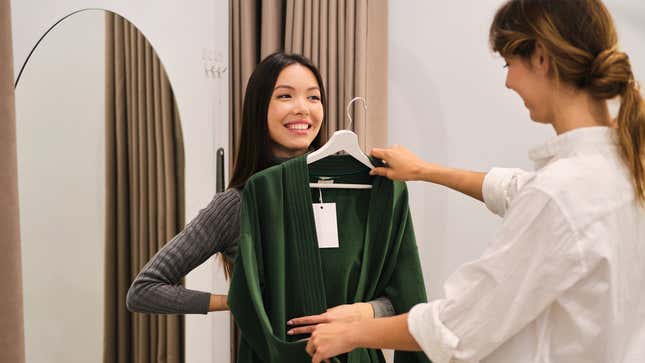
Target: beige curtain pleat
343, 95
235, 77
288, 25
332, 80
144, 191
298, 27
315, 26
244, 55
348, 76
360, 61
12, 339
323, 48
376, 73
271, 28
308, 28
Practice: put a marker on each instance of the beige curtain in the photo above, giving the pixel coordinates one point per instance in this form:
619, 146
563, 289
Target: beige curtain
144, 191
256, 28
12, 340
346, 39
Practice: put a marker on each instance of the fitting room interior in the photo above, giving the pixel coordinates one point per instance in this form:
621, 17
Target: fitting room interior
70, 254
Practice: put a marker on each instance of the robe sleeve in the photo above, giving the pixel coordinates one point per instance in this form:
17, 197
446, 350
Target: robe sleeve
405, 288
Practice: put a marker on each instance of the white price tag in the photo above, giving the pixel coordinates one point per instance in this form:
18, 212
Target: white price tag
326, 225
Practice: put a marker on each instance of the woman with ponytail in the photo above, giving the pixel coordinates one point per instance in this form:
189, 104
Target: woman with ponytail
562, 281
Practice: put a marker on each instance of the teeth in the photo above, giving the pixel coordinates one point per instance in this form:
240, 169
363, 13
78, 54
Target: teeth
298, 127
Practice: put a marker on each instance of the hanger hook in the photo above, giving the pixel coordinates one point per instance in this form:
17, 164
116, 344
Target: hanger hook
349, 106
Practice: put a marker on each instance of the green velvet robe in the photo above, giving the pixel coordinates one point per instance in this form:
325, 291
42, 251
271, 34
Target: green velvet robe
280, 272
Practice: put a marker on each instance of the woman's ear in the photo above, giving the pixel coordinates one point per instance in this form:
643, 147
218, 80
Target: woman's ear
540, 59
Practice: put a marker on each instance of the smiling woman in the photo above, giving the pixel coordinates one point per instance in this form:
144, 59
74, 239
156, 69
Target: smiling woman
284, 111
284, 91
295, 112
285, 99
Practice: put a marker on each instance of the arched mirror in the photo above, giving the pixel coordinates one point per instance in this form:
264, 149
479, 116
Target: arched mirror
100, 169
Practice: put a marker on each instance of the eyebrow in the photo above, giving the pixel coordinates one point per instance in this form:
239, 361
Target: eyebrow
289, 87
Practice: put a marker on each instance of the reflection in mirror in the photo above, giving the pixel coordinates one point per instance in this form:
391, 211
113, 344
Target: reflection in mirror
100, 169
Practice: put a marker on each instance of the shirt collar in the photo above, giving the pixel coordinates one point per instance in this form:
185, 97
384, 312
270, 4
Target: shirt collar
580, 140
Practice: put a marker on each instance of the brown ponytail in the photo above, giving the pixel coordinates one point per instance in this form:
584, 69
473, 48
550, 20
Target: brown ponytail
611, 76
580, 38
631, 133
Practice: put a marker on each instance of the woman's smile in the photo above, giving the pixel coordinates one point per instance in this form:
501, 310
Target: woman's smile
299, 127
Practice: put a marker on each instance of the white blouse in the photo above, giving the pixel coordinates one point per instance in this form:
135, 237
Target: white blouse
564, 278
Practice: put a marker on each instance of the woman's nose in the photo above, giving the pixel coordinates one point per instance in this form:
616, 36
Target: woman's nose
300, 106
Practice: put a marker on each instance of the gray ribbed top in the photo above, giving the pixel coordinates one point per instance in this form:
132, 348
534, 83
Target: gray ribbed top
157, 288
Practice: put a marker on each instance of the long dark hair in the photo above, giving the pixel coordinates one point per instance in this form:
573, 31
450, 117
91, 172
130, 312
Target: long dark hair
582, 44
253, 145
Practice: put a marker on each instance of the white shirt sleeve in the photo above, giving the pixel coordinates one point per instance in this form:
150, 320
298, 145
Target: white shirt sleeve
535, 257
500, 185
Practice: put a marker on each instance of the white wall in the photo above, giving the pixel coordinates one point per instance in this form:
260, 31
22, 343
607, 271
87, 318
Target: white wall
179, 32
61, 151
448, 103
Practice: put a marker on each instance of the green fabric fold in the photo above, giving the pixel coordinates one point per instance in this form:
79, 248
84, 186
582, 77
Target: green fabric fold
280, 272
